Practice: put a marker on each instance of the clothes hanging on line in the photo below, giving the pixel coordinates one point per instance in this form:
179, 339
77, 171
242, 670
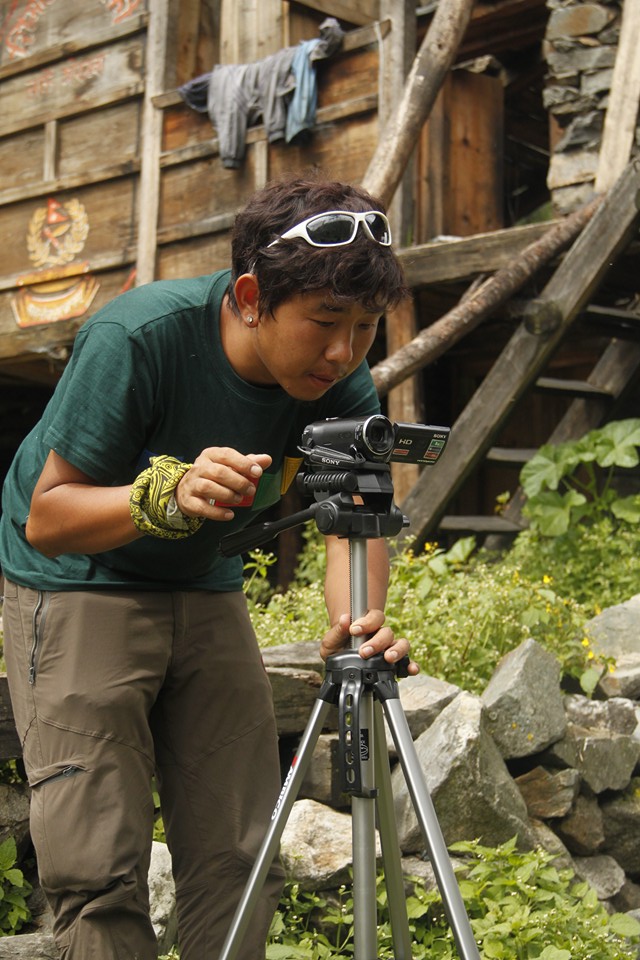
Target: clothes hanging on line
279, 91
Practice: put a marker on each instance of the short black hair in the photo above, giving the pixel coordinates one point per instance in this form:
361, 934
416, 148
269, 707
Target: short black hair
360, 272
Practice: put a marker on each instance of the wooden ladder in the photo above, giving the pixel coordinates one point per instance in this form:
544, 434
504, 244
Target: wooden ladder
522, 364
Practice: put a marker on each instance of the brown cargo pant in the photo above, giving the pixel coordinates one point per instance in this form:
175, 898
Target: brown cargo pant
109, 688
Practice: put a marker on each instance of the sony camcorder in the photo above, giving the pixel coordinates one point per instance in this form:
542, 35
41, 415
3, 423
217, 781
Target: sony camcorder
336, 442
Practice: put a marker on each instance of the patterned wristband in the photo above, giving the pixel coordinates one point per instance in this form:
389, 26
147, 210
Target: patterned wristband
152, 500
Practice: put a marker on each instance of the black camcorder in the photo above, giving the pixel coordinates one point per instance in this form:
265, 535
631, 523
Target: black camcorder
375, 439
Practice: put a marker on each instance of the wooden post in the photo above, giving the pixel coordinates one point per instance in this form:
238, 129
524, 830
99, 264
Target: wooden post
430, 67
404, 401
622, 111
396, 52
462, 143
151, 141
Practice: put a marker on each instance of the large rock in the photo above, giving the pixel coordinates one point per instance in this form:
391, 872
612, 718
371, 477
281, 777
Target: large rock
617, 715
582, 830
422, 698
605, 760
615, 633
162, 897
621, 818
549, 795
472, 791
602, 873
525, 680
316, 848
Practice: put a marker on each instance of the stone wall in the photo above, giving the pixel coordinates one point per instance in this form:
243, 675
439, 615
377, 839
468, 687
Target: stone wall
580, 50
526, 758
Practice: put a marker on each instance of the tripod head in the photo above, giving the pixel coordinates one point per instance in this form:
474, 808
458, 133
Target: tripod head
346, 470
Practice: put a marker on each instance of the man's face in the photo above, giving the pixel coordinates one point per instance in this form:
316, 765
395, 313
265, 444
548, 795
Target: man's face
310, 343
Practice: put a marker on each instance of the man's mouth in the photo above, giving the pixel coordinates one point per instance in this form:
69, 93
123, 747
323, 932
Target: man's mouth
326, 378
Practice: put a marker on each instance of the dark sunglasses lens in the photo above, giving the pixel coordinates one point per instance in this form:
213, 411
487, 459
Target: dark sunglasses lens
378, 227
331, 228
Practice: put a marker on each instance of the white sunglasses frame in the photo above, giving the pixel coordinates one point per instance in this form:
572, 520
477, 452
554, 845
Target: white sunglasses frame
359, 217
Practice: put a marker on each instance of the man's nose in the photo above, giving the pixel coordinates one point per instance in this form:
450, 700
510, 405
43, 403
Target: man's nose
340, 349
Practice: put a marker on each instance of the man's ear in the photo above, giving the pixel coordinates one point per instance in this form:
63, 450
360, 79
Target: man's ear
247, 293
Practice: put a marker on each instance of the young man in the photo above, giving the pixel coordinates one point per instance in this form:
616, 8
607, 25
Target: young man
128, 645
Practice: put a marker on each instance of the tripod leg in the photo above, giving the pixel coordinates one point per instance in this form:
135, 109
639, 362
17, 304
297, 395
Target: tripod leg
390, 848
425, 812
363, 831
271, 842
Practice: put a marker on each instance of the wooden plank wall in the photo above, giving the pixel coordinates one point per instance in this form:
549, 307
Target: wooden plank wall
193, 236
93, 130
71, 83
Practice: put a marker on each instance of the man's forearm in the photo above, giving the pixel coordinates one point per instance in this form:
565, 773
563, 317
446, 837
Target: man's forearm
337, 582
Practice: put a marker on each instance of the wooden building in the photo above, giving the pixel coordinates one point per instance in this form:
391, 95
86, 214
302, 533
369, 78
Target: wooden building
108, 178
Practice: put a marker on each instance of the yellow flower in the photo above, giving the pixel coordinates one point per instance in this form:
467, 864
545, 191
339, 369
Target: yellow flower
585, 641
547, 579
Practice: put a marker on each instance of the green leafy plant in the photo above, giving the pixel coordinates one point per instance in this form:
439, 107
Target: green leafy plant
520, 906
14, 889
571, 482
256, 585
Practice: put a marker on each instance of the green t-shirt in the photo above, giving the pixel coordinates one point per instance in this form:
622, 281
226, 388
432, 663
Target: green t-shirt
148, 376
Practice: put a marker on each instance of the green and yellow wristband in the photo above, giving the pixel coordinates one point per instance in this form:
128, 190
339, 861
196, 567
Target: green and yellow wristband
153, 504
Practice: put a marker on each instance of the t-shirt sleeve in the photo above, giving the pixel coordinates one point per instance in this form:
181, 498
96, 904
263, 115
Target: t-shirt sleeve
106, 405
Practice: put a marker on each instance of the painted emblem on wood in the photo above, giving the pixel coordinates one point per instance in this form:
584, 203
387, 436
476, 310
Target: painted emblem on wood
61, 288
20, 24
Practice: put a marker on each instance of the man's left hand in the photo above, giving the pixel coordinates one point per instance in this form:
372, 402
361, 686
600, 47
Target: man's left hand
375, 638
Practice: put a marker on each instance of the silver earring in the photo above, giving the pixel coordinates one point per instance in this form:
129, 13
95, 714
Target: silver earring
250, 320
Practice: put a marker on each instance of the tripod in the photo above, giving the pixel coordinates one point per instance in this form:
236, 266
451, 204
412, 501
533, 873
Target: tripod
362, 690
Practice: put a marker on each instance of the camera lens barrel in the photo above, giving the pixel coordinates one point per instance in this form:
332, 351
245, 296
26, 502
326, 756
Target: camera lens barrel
377, 435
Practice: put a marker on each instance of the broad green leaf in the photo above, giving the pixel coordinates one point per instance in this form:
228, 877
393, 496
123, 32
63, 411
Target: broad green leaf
8, 853
617, 442
550, 512
461, 550
15, 877
589, 679
627, 508
624, 925
545, 470
552, 953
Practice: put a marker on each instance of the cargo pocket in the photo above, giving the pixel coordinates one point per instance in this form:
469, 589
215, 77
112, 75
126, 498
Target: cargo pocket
55, 772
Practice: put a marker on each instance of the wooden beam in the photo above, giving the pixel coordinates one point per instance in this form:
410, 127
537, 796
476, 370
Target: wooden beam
460, 258
68, 182
151, 139
359, 12
433, 341
616, 370
525, 355
624, 96
71, 48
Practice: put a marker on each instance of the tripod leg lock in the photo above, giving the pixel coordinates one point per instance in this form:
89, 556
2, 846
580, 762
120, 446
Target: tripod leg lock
349, 677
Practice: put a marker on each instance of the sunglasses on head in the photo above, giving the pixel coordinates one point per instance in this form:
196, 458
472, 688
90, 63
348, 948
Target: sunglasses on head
336, 228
